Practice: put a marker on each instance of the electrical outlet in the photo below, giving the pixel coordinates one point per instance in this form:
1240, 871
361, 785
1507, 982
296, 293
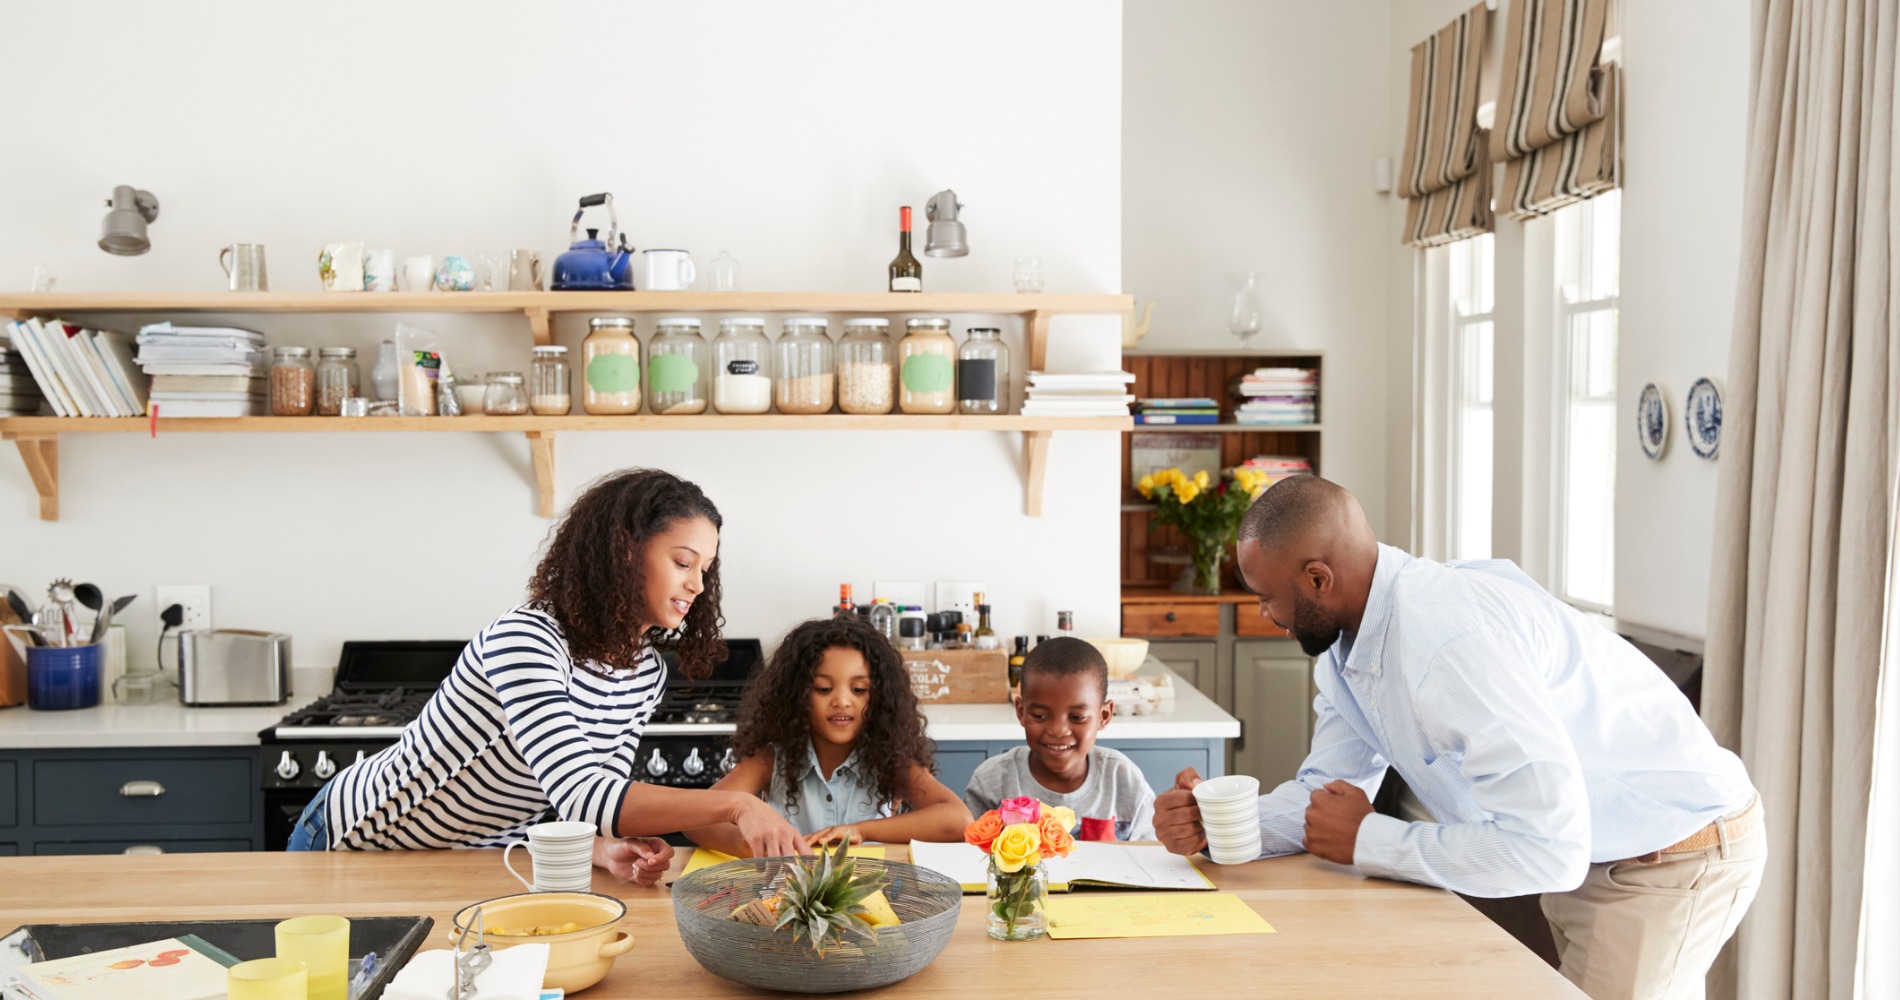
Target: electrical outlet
960, 595
195, 598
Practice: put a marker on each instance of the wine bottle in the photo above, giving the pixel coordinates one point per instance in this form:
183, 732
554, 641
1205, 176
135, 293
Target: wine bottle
906, 274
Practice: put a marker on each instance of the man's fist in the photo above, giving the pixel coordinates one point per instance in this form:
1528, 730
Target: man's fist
1332, 821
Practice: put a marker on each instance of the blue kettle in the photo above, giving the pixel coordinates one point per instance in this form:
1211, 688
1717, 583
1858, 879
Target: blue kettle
592, 265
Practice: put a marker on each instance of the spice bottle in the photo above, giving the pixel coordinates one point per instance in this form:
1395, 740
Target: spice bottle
983, 372
927, 367
610, 367
1016, 658
548, 394
293, 382
865, 369
883, 617
910, 628
805, 380
678, 363
337, 379
742, 367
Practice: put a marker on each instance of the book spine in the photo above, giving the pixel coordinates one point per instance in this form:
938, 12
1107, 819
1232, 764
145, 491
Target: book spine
42, 367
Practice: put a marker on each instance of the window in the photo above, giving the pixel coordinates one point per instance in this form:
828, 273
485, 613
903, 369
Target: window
1471, 333
1587, 236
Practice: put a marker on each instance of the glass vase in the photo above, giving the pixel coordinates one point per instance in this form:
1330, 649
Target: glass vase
1019, 903
1209, 553
1243, 318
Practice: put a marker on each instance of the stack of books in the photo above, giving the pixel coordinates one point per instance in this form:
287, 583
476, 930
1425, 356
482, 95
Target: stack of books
79, 372
204, 371
1278, 396
1078, 394
19, 394
1189, 410
1278, 467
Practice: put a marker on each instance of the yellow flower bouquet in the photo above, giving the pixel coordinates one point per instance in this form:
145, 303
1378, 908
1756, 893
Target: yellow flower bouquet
1208, 513
1019, 836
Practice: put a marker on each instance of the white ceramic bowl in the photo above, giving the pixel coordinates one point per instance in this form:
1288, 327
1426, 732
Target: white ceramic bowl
1124, 656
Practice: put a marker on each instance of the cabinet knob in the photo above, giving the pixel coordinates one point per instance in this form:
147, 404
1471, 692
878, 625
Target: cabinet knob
1169, 616
143, 849
141, 789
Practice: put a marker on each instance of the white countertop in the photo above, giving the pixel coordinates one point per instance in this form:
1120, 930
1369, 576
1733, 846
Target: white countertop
166, 724
1191, 716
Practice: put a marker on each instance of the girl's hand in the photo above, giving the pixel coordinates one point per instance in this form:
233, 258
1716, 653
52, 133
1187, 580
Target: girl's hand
640, 860
847, 832
766, 833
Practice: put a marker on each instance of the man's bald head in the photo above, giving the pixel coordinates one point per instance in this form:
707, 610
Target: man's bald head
1307, 549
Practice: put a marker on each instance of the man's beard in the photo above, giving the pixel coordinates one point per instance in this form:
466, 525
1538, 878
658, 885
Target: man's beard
1311, 628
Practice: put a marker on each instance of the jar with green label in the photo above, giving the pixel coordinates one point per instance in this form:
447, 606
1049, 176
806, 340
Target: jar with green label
678, 365
610, 367
926, 367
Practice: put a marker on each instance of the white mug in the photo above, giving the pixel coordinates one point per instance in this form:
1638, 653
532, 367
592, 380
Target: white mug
379, 271
418, 274
666, 271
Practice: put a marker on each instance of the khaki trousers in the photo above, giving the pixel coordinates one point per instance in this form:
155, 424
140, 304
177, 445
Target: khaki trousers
1650, 931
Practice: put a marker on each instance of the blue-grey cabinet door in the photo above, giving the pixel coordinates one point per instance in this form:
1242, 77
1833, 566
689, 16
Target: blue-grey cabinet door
118, 791
957, 761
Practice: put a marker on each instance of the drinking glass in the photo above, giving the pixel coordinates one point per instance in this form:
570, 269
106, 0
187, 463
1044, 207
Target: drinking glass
1028, 274
266, 979
322, 945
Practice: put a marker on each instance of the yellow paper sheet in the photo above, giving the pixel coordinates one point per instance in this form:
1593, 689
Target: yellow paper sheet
1152, 915
706, 857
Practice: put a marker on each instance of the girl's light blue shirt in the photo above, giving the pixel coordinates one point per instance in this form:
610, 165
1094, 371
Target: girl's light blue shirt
847, 798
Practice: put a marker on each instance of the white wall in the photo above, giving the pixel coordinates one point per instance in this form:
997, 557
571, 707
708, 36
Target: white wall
784, 133
1682, 206
1250, 131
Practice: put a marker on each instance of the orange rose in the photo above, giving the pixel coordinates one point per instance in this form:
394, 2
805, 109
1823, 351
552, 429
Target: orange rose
1056, 841
983, 831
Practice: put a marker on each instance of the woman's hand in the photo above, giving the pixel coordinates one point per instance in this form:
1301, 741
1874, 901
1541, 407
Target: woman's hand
766, 833
847, 832
640, 860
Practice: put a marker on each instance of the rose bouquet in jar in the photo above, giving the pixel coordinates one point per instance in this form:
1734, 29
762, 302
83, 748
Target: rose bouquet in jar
1020, 836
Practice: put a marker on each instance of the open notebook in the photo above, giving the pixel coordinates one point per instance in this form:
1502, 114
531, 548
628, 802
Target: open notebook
1091, 864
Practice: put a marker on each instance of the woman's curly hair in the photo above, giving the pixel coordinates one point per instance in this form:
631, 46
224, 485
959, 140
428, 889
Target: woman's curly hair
775, 713
593, 579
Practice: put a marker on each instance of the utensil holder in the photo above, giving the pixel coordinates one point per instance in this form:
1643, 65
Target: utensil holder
63, 677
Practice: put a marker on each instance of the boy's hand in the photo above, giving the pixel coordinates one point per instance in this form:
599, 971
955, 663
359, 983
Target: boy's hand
847, 832
640, 860
1332, 821
1178, 817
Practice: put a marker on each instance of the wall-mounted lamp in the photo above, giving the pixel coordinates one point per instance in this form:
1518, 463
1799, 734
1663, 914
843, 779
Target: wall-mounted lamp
946, 238
124, 232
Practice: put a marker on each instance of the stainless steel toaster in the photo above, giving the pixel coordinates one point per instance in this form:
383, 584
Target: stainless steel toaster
233, 667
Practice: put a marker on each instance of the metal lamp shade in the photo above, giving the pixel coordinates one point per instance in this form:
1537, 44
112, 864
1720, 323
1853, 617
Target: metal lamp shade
946, 237
124, 230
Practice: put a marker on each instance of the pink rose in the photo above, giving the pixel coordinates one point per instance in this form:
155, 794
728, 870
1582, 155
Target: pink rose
1021, 809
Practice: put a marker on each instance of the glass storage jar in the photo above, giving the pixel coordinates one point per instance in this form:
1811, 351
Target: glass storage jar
865, 369
548, 394
678, 359
506, 396
293, 382
983, 372
338, 379
610, 368
742, 367
926, 367
806, 381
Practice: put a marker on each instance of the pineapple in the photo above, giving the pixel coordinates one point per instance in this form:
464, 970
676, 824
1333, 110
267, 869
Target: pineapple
824, 899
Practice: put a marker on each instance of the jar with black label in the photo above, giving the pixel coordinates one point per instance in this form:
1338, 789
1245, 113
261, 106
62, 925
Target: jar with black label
983, 372
742, 367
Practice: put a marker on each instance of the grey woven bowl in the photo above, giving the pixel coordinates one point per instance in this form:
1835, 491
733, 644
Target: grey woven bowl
926, 901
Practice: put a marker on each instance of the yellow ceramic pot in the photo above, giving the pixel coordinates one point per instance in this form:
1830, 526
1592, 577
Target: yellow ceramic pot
577, 959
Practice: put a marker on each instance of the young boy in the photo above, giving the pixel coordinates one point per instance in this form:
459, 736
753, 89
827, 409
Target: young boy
1064, 705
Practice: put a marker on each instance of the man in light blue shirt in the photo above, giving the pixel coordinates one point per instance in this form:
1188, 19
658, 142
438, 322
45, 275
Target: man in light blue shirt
1552, 755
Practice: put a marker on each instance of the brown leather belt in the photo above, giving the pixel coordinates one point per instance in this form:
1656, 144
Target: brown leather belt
1739, 824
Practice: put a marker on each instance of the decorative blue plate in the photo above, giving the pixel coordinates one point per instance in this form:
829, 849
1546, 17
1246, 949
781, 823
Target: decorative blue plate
1652, 421
1702, 417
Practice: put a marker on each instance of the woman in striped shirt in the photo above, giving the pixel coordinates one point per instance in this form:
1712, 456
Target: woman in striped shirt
541, 717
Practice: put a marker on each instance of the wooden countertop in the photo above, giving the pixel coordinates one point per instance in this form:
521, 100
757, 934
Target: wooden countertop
1162, 595
1339, 935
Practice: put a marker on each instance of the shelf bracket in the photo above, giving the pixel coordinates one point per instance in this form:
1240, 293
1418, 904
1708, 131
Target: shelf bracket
541, 445
1036, 332
1036, 468
541, 323
41, 455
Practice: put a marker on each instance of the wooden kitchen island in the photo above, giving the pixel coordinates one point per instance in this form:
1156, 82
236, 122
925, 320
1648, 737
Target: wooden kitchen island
1339, 935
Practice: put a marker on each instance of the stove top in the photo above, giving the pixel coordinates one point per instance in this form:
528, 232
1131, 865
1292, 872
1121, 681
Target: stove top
695, 711
355, 714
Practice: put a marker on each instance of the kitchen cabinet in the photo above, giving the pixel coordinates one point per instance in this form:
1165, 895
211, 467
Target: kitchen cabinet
1273, 696
37, 438
1196, 662
104, 801
956, 762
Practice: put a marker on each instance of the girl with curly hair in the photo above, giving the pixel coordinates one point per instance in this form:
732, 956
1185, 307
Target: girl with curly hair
829, 732
542, 715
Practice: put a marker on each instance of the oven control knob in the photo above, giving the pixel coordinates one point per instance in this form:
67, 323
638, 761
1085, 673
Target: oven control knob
287, 766
359, 757
727, 761
692, 764
656, 764
324, 767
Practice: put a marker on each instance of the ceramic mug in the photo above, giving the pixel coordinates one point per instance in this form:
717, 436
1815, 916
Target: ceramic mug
379, 271
340, 265
418, 274
666, 271
524, 270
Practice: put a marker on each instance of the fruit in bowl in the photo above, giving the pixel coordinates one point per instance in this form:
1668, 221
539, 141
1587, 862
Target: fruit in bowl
1124, 656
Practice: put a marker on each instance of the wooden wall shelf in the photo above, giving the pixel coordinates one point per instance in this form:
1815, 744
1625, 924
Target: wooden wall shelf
37, 438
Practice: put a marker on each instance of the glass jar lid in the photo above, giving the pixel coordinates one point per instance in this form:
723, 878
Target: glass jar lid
677, 323
504, 378
291, 353
867, 324
550, 350
807, 324
340, 353
928, 324
988, 331
610, 323
741, 323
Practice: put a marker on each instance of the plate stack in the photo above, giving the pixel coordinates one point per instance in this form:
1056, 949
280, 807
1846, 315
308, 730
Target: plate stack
19, 394
1230, 813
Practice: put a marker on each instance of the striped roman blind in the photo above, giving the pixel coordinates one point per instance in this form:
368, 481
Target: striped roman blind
1447, 174
1558, 129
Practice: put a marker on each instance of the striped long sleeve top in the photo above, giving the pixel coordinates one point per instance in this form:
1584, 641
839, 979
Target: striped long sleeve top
517, 732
